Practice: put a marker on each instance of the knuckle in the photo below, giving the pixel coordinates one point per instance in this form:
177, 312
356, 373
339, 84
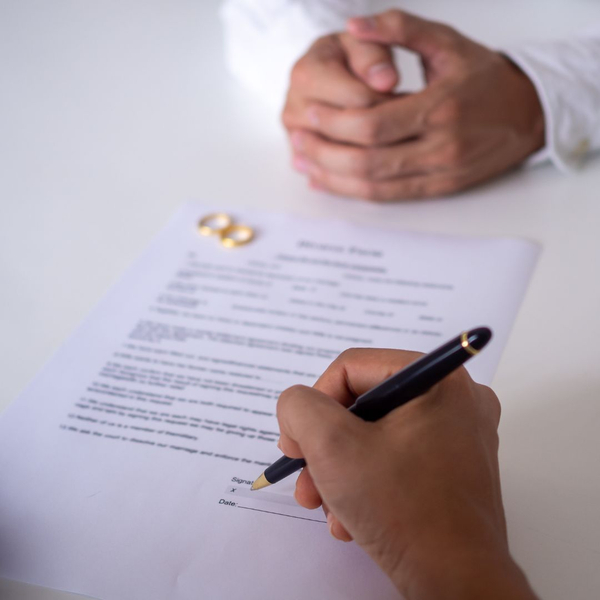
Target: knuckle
360, 97
300, 74
290, 395
447, 112
286, 402
448, 36
479, 401
296, 390
395, 18
352, 354
489, 408
287, 118
495, 408
459, 377
457, 385
292, 113
327, 48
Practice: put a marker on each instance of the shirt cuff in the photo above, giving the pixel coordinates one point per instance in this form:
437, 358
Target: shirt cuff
563, 74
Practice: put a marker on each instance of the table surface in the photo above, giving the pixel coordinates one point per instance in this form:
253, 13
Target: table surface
114, 113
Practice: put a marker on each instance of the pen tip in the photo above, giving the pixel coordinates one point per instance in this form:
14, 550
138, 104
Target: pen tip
260, 483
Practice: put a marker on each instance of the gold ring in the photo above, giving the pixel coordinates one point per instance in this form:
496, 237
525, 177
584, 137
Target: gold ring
236, 235
464, 342
215, 223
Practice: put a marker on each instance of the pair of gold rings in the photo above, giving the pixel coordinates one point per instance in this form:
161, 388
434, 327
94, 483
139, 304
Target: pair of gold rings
230, 234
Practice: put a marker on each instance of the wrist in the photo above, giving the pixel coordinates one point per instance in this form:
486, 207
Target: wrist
532, 118
461, 567
470, 575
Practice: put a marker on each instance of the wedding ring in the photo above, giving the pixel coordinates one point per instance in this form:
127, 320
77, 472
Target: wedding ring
236, 235
214, 223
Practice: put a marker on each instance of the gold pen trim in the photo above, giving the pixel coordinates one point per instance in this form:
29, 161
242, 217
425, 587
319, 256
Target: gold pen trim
464, 342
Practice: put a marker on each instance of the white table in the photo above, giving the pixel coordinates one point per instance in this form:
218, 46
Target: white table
113, 113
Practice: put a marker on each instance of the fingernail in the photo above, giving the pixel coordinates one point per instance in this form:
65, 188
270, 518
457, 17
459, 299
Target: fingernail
330, 524
301, 164
381, 75
313, 116
362, 24
297, 140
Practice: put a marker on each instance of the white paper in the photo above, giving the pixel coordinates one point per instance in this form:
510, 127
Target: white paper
125, 466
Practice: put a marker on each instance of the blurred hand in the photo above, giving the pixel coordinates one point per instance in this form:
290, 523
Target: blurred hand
478, 116
418, 490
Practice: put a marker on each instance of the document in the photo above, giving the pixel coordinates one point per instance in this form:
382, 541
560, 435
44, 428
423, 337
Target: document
126, 465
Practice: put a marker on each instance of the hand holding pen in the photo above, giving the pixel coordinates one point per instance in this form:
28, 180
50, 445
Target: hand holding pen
398, 389
418, 489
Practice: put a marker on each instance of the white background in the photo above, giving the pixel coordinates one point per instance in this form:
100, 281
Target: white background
113, 113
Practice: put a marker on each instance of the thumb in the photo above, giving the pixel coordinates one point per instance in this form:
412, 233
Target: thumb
315, 426
373, 63
396, 27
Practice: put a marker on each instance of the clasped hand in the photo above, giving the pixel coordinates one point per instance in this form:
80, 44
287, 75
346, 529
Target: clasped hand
478, 115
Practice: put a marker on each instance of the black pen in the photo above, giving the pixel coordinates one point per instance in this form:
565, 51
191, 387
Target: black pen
409, 383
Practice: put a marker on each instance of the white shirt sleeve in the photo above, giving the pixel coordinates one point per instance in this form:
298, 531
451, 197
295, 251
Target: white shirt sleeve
264, 38
566, 75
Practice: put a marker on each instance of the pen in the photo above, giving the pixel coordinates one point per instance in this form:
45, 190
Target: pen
405, 385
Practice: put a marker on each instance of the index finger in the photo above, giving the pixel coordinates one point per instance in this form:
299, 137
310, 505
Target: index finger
322, 74
373, 63
358, 370
396, 120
